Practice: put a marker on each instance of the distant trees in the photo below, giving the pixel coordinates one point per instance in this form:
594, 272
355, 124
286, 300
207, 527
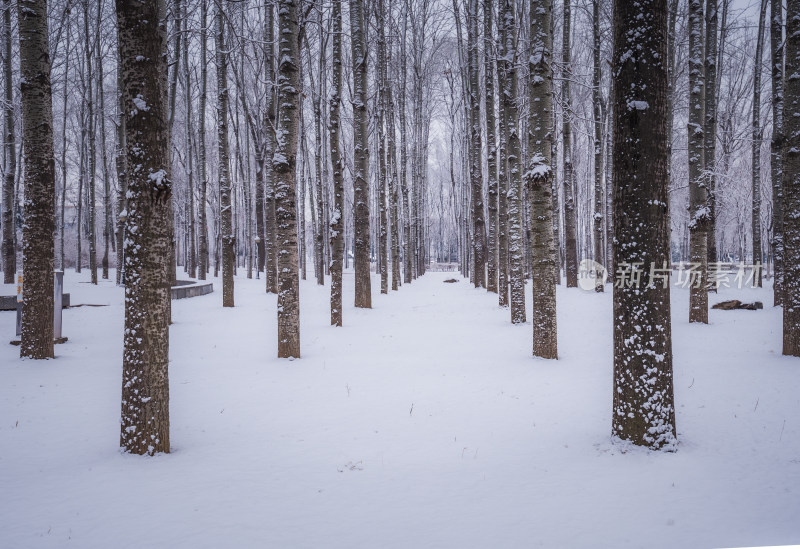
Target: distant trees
38, 244
643, 410
145, 380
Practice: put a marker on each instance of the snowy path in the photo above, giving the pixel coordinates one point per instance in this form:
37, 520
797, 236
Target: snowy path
424, 422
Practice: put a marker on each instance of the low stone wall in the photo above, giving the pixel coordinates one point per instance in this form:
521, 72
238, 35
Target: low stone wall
186, 289
9, 302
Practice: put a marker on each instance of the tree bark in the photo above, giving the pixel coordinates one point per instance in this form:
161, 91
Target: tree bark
538, 179
476, 168
227, 235
363, 292
756, 144
145, 379
710, 130
570, 231
598, 147
643, 407
776, 146
337, 216
491, 145
284, 162
698, 191
791, 184
516, 268
202, 221
10, 151
91, 232
38, 245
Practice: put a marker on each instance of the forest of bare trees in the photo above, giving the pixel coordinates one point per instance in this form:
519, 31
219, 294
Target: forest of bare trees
512, 141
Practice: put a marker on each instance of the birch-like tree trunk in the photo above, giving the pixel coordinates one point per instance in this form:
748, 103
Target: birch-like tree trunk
570, 229
643, 408
757, 135
10, 152
538, 179
38, 244
516, 267
791, 184
776, 146
227, 235
598, 146
142, 36
337, 216
363, 293
698, 191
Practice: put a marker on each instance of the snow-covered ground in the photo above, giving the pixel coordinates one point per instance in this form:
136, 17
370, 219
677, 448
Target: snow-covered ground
424, 422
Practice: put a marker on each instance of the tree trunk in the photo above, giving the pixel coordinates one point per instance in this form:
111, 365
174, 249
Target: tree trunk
363, 293
502, 175
599, 286
10, 147
227, 235
92, 152
383, 249
516, 268
38, 245
491, 146
145, 379
776, 146
538, 179
791, 185
284, 162
698, 192
643, 408
337, 217
270, 240
757, 136
710, 130
191, 260
202, 221
570, 231
107, 240
476, 168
